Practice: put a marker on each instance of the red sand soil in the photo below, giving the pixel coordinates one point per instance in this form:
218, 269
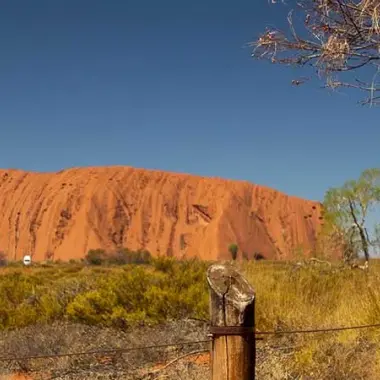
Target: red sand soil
69, 212
16, 376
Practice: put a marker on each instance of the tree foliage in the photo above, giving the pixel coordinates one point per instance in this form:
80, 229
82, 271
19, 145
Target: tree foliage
333, 37
347, 208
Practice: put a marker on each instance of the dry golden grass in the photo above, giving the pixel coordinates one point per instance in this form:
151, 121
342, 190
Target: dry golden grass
315, 297
288, 297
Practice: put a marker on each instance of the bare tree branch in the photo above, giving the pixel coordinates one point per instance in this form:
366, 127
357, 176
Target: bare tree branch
337, 36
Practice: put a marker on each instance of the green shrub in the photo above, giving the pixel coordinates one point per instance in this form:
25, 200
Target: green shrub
126, 256
96, 256
93, 307
50, 307
143, 257
164, 264
119, 257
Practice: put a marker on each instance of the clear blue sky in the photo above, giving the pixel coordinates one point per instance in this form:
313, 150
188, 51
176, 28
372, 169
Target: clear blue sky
170, 85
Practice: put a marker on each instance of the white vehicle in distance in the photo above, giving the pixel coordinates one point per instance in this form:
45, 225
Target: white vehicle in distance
27, 260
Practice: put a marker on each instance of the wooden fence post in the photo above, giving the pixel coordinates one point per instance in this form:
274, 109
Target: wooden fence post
232, 314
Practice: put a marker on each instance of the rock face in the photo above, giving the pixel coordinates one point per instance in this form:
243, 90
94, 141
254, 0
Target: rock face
64, 214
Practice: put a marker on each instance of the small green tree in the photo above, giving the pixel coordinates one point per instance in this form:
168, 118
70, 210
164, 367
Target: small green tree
348, 206
233, 249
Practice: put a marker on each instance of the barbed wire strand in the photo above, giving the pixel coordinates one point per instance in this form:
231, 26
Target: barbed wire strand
328, 329
102, 352
305, 331
138, 348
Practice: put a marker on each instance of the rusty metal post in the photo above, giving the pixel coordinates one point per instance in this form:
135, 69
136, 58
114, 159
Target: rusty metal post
232, 314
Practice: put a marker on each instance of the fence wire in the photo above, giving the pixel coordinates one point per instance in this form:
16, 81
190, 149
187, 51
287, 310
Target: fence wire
186, 359
101, 352
322, 330
140, 362
10, 357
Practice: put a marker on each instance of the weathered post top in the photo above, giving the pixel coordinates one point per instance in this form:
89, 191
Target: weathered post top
231, 296
232, 317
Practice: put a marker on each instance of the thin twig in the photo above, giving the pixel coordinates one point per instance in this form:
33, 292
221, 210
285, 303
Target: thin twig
176, 360
339, 36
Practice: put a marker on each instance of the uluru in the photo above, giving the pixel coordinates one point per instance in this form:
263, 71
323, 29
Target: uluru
67, 213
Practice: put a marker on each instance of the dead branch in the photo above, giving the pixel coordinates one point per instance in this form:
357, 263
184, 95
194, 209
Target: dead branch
362, 267
336, 36
151, 374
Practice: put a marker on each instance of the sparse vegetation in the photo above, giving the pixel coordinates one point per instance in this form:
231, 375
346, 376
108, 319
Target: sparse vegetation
314, 295
118, 257
60, 338
120, 296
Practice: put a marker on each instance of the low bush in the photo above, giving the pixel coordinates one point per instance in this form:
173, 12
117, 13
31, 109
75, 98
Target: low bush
119, 257
126, 256
109, 296
96, 256
288, 297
